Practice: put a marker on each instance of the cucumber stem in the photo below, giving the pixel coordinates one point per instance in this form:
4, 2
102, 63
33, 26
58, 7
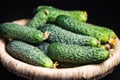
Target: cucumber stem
46, 35
46, 12
55, 65
85, 13
112, 41
99, 43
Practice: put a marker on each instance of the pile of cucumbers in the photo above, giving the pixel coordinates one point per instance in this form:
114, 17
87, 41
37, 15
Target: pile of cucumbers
58, 38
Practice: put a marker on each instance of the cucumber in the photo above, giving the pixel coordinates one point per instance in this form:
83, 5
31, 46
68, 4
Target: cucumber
15, 31
101, 33
77, 54
108, 31
58, 34
39, 19
111, 34
49, 13
43, 46
28, 53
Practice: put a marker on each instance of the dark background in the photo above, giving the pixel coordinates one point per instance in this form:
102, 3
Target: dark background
104, 13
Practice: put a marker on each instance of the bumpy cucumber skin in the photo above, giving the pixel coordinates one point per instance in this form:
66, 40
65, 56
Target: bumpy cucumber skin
76, 26
15, 31
77, 54
49, 13
43, 47
58, 34
110, 33
54, 12
39, 19
28, 54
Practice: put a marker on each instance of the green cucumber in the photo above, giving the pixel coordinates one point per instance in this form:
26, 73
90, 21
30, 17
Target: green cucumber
101, 33
109, 32
77, 54
29, 54
39, 19
15, 31
43, 46
58, 34
49, 13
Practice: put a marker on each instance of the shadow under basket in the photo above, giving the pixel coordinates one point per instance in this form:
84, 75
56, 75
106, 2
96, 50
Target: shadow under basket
87, 72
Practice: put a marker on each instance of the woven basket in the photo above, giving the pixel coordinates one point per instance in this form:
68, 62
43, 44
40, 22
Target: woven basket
89, 72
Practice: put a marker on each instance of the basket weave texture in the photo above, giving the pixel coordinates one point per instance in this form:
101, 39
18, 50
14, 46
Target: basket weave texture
89, 72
